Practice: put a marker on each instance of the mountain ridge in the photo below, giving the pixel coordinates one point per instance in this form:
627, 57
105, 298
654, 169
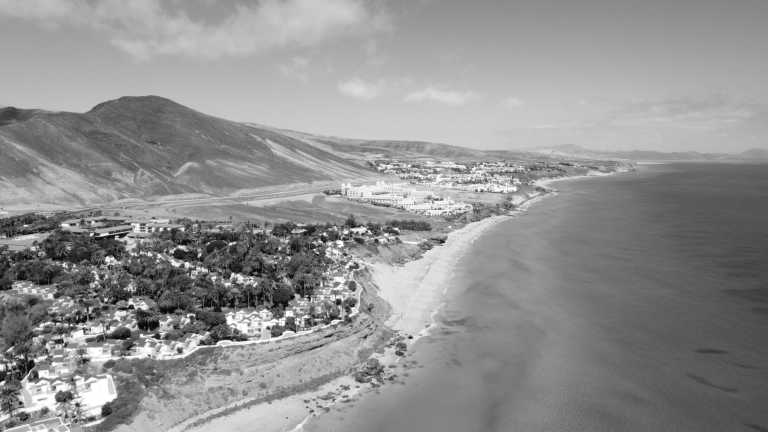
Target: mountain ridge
141, 146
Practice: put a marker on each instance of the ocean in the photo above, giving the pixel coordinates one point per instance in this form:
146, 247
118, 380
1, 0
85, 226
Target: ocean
636, 302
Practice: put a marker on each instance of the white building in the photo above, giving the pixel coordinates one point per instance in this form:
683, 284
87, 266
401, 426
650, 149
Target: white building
398, 196
91, 392
147, 226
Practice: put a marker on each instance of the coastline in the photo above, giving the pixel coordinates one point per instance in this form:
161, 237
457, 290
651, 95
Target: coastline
415, 292
411, 291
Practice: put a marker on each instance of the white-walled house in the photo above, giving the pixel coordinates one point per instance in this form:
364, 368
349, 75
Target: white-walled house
92, 392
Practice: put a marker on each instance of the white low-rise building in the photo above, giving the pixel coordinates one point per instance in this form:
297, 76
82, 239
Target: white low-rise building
92, 392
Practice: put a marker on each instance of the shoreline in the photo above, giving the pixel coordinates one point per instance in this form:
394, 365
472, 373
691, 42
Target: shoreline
415, 318
415, 291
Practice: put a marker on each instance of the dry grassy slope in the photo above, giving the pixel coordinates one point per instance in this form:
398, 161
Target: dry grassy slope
217, 378
371, 149
141, 146
151, 146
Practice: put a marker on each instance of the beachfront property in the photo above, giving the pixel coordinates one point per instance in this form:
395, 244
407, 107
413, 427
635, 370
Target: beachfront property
90, 392
398, 195
96, 318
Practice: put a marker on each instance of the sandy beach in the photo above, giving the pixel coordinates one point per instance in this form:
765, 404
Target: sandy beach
546, 182
414, 291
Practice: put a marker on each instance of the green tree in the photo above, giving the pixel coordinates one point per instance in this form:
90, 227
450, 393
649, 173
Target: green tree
282, 295
64, 400
106, 409
9, 398
16, 329
351, 222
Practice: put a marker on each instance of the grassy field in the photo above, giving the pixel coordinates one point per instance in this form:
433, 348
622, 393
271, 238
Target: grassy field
307, 209
22, 242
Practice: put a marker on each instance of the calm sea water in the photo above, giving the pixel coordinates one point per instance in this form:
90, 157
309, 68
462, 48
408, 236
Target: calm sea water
632, 303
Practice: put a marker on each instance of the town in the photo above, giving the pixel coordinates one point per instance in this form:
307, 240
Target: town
427, 181
98, 289
81, 292
504, 176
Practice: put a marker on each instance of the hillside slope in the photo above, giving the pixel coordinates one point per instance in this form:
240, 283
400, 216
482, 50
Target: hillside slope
145, 146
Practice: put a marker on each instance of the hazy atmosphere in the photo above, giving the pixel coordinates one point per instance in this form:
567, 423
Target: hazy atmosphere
383, 215
605, 74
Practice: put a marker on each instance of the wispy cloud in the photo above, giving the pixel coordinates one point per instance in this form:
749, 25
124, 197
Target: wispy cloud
702, 113
512, 102
297, 68
148, 28
711, 112
447, 97
359, 89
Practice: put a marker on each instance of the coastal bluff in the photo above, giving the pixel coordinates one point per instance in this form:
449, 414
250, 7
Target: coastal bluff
214, 381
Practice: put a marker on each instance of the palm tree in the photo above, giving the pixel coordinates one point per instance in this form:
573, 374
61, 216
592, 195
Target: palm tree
9, 398
235, 293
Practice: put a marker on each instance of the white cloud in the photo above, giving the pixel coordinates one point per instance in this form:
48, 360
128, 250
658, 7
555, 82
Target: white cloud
705, 113
359, 89
447, 97
512, 102
148, 28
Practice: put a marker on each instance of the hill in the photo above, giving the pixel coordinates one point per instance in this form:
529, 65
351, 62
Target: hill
149, 146
145, 146
575, 151
755, 154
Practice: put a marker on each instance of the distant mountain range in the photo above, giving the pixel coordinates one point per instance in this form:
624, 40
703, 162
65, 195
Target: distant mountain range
575, 151
151, 146
138, 147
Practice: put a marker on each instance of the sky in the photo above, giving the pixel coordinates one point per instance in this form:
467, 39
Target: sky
670, 75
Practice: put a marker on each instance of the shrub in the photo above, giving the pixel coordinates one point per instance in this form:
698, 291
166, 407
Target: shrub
211, 319
64, 396
351, 222
174, 335
412, 225
276, 331
350, 302
290, 324
109, 364
123, 366
106, 409
121, 333
221, 332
